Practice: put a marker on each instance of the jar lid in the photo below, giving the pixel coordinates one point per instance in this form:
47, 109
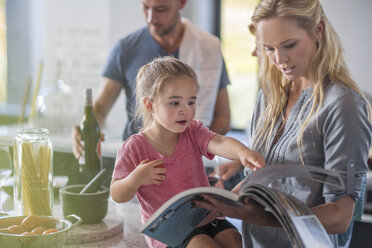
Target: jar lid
33, 133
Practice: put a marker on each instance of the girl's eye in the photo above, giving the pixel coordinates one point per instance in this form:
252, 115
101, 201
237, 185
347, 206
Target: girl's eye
174, 103
191, 103
291, 45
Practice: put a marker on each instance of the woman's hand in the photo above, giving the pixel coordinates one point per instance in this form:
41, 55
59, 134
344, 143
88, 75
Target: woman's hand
229, 169
250, 211
150, 172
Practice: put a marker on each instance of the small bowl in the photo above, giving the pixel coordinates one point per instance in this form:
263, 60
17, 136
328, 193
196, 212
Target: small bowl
91, 207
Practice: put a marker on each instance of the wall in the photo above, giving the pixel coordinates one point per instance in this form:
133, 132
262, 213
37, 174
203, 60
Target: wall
73, 39
353, 20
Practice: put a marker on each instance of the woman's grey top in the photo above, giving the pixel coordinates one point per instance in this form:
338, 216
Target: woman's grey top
338, 138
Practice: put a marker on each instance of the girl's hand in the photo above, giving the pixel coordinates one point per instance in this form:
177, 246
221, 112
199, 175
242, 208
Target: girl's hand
150, 172
251, 159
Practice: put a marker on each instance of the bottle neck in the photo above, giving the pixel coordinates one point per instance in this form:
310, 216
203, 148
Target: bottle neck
88, 103
88, 110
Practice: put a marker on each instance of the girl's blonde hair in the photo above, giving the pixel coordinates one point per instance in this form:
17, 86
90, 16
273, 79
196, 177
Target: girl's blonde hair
327, 63
152, 78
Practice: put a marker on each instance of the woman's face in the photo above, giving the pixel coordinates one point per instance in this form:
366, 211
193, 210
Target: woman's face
289, 47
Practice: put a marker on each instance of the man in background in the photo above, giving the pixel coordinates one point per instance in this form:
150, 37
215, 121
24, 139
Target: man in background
166, 34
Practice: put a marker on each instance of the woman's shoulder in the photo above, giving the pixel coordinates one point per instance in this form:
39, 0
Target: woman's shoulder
336, 93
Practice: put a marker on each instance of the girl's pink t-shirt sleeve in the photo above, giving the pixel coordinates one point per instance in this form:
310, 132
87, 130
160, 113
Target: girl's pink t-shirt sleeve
126, 160
202, 136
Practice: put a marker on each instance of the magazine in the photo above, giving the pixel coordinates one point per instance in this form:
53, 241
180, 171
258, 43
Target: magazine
177, 217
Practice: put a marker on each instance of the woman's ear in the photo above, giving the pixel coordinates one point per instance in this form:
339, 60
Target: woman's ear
319, 29
148, 104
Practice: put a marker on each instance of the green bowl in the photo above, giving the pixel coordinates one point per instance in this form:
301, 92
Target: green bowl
91, 207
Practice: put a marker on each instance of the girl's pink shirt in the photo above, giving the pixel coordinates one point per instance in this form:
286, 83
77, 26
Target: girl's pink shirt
185, 168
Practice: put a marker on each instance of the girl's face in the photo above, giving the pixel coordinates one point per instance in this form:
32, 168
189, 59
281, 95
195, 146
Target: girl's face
289, 47
174, 108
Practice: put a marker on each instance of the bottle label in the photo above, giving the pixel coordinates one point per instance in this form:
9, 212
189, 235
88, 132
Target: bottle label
82, 158
98, 149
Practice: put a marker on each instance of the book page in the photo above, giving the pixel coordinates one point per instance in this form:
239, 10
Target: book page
311, 231
271, 173
176, 222
176, 218
300, 224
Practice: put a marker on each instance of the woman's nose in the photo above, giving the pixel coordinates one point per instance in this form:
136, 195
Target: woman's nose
281, 57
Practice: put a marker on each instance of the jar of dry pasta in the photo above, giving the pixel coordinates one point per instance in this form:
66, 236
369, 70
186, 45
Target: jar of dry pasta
33, 172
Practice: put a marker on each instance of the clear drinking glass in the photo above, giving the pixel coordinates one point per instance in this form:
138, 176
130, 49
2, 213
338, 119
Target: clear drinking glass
33, 172
5, 169
212, 169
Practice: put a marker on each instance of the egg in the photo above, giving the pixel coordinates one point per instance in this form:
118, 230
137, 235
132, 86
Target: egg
16, 229
49, 231
30, 222
5, 230
38, 230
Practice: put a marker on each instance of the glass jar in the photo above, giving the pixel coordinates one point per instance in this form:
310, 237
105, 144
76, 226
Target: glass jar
33, 172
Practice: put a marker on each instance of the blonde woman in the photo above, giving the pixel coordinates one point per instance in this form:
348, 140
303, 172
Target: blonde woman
309, 112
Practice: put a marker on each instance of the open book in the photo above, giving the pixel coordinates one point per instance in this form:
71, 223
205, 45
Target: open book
177, 217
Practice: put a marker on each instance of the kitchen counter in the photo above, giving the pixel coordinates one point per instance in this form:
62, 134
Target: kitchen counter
130, 237
64, 163
120, 228
61, 139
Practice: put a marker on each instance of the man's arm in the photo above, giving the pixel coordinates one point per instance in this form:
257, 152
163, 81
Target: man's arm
109, 92
221, 116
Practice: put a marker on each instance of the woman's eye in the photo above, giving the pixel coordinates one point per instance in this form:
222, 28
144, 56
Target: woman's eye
174, 103
269, 49
291, 45
191, 103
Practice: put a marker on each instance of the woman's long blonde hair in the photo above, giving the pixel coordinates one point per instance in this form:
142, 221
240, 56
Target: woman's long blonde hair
327, 63
151, 79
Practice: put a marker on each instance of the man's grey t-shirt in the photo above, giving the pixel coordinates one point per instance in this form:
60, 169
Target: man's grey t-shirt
337, 139
126, 58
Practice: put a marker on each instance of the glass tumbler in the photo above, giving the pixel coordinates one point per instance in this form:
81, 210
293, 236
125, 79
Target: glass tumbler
33, 172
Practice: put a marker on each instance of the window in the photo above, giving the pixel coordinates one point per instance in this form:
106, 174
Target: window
237, 46
3, 53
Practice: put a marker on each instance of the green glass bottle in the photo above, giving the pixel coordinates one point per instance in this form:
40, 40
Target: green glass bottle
91, 162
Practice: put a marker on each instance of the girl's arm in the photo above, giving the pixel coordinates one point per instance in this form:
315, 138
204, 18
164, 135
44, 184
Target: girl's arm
231, 148
146, 173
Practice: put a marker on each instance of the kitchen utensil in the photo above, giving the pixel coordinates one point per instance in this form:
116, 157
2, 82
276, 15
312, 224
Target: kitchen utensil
91, 207
94, 184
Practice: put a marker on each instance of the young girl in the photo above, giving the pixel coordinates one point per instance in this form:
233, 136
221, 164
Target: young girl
165, 158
